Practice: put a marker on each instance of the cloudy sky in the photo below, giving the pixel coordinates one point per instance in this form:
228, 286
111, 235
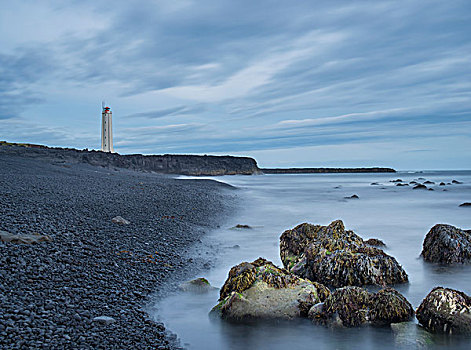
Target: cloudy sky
291, 83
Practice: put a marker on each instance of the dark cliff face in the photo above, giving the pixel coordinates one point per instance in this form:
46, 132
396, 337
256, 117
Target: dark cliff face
166, 164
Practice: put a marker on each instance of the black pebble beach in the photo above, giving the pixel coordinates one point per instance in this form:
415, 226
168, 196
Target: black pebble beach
50, 292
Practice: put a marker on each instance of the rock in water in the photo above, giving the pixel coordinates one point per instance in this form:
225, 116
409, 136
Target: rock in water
336, 257
419, 187
242, 226
465, 204
355, 306
389, 306
447, 244
24, 239
198, 285
445, 310
261, 290
120, 220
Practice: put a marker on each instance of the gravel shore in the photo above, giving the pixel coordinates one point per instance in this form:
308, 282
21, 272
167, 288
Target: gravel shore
52, 292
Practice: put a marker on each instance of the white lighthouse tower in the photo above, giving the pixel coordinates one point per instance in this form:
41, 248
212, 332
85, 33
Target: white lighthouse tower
106, 130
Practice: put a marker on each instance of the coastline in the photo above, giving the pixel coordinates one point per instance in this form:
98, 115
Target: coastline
52, 291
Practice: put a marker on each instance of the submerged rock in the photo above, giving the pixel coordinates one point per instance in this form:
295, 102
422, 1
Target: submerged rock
198, 285
456, 182
447, 244
429, 182
401, 184
261, 290
409, 335
397, 180
375, 242
355, 306
445, 310
23, 239
419, 187
465, 204
337, 257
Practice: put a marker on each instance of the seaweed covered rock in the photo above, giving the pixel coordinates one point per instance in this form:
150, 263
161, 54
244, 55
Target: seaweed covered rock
261, 290
447, 244
445, 310
334, 256
355, 306
389, 306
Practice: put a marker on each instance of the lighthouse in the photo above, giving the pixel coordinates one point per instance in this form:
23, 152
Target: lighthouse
106, 130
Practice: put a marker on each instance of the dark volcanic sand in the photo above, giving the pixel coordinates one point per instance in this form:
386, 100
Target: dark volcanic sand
51, 291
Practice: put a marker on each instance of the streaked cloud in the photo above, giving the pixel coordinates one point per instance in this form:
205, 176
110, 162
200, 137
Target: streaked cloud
241, 77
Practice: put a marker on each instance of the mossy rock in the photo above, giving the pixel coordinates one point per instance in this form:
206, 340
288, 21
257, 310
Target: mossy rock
198, 285
262, 290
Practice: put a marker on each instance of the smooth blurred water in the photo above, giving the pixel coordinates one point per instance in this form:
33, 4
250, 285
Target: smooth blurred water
400, 216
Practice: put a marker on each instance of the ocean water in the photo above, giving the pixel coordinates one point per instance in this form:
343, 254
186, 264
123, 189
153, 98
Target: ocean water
400, 216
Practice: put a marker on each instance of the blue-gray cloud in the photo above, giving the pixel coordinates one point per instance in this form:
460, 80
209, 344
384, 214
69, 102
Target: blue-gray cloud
200, 76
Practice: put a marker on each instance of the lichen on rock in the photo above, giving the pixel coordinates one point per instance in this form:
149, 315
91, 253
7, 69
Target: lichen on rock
337, 257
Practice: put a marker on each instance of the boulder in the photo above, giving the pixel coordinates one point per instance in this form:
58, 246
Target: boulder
442, 184
261, 290
447, 244
419, 187
242, 226
355, 306
336, 257
375, 242
198, 285
23, 239
119, 220
445, 310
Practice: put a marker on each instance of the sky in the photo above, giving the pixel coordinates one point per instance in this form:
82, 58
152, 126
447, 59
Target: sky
290, 83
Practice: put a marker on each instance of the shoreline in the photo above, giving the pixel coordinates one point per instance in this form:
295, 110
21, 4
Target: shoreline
52, 291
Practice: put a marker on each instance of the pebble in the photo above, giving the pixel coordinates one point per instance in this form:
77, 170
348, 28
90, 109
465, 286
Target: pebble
101, 264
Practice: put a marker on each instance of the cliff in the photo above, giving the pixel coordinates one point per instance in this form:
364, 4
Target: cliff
166, 164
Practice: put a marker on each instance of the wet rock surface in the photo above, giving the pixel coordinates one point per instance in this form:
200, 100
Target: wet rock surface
447, 244
261, 290
355, 306
53, 293
445, 310
337, 257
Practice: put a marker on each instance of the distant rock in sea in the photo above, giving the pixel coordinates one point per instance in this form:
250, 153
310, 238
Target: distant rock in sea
466, 204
